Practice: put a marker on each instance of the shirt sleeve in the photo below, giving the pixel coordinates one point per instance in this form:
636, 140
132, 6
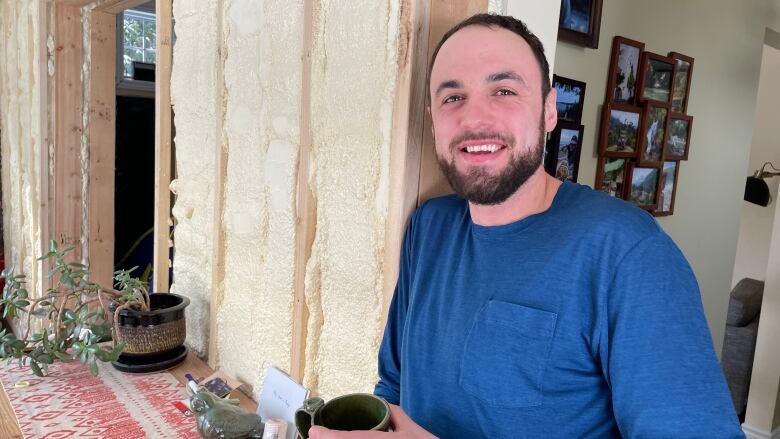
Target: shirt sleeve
389, 385
656, 349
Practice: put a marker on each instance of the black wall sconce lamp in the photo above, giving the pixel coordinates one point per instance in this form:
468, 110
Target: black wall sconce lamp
756, 189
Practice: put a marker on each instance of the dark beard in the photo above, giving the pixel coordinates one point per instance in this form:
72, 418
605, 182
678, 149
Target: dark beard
483, 188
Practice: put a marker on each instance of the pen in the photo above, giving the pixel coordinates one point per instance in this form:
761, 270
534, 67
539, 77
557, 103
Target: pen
191, 383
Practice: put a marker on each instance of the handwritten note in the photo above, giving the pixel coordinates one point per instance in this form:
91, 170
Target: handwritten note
280, 398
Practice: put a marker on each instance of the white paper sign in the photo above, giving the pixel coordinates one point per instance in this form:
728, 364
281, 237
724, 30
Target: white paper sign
280, 398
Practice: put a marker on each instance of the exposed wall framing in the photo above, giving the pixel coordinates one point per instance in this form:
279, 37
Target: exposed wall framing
95, 56
306, 213
163, 140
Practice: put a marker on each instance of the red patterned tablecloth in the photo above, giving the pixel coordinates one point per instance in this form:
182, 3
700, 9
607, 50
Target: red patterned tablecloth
71, 403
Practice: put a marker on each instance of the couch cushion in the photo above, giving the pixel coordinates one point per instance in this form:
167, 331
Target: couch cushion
745, 302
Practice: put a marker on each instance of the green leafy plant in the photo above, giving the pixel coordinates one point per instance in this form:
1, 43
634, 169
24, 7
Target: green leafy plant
79, 315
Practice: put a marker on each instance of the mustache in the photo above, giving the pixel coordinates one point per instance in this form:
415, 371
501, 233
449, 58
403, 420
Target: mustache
507, 139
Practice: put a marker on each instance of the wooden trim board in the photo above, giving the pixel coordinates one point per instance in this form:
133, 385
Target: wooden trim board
67, 202
305, 209
407, 137
101, 134
163, 143
220, 171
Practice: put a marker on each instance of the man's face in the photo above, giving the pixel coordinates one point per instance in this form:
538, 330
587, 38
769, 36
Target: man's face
488, 114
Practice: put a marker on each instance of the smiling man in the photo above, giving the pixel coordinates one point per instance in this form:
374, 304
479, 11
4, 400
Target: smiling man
530, 308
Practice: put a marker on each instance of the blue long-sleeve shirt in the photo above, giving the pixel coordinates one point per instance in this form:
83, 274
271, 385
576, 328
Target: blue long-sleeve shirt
582, 321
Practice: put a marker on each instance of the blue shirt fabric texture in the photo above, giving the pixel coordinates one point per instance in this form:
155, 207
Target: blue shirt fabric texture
581, 321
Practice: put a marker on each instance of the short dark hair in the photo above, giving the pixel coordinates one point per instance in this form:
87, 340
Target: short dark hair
504, 22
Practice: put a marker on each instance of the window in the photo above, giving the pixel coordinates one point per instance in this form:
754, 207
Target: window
138, 39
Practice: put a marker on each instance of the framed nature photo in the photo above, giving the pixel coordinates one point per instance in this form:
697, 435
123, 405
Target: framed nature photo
570, 98
564, 147
620, 124
655, 78
643, 189
624, 70
678, 137
611, 176
579, 22
668, 188
681, 84
653, 132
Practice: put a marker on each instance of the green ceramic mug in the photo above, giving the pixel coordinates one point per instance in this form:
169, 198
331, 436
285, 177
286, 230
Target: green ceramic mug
355, 411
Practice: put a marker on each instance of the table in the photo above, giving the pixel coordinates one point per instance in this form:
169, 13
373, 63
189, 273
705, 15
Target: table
192, 365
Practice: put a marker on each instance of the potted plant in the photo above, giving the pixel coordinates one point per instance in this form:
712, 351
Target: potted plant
80, 317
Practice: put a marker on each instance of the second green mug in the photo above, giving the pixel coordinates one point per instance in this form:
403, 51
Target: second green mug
355, 411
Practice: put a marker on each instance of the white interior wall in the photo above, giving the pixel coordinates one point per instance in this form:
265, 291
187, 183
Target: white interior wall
722, 101
755, 224
765, 380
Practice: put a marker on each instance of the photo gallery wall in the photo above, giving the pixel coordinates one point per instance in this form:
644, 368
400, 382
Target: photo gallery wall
645, 129
564, 144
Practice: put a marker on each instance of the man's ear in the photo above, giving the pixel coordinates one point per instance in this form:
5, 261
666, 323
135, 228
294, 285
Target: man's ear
428, 109
550, 110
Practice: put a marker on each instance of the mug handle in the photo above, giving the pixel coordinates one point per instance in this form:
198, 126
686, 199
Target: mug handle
304, 416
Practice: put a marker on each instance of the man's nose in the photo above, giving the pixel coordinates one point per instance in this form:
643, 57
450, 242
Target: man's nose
475, 114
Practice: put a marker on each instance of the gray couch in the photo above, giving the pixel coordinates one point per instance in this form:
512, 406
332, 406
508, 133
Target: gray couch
739, 343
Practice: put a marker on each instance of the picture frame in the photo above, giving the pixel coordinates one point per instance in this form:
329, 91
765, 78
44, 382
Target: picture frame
624, 71
667, 188
642, 187
570, 98
580, 22
678, 137
681, 81
611, 176
564, 148
652, 138
620, 130
655, 78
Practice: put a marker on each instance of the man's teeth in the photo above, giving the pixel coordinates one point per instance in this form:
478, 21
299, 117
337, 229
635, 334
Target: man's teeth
483, 148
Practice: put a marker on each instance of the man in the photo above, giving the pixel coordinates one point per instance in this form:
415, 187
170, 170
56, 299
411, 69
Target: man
530, 308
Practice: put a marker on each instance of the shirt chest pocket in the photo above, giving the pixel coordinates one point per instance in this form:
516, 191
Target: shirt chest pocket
506, 354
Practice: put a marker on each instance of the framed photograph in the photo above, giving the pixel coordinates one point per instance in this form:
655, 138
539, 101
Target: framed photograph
624, 70
643, 186
667, 188
562, 160
580, 22
655, 77
619, 136
681, 84
678, 137
653, 135
570, 98
611, 176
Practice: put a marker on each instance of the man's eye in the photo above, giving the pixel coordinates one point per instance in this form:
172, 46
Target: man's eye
450, 99
505, 92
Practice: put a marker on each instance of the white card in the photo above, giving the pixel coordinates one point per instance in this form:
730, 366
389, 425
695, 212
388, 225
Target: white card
280, 398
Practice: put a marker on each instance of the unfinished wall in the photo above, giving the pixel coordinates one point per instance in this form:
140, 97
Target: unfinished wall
264, 47
353, 78
194, 92
248, 102
23, 122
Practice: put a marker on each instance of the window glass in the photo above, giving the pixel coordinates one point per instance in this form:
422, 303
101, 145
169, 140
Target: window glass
139, 39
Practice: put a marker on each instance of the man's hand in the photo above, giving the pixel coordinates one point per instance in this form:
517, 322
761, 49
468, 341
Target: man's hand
404, 428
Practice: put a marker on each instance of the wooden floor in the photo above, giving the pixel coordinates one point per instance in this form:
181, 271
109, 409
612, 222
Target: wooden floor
9, 429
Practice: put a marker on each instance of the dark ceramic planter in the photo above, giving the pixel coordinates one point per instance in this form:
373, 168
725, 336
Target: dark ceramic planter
154, 340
